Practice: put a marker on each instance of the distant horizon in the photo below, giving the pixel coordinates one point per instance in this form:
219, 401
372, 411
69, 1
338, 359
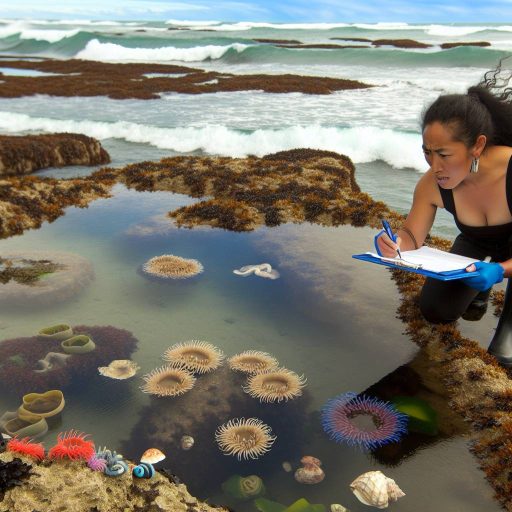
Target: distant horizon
262, 11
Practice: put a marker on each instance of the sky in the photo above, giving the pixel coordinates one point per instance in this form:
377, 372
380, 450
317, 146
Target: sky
275, 11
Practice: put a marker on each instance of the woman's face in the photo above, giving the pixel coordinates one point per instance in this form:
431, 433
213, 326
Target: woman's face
450, 160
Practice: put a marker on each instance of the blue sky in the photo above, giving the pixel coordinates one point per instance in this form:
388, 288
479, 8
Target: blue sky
370, 11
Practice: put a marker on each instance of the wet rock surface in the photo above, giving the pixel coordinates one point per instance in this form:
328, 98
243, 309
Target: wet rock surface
27, 153
123, 81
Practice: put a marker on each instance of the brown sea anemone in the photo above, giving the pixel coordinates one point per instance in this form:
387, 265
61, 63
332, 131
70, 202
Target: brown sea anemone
119, 369
196, 356
275, 385
252, 361
172, 267
170, 380
245, 438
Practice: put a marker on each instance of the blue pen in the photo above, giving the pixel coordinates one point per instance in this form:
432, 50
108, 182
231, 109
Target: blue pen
392, 236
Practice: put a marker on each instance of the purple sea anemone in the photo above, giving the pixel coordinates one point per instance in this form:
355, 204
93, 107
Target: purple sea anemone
97, 463
340, 412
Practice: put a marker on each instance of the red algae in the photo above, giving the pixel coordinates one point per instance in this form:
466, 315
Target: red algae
72, 445
25, 446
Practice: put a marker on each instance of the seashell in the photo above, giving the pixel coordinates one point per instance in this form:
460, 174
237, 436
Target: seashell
187, 442
336, 507
376, 489
287, 466
116, 469
152, 456
244, 487
310, 473
143, 470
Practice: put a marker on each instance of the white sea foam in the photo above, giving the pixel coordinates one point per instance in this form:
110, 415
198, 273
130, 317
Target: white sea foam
450, 31
361, 144
51, 36
95, 50
248, 25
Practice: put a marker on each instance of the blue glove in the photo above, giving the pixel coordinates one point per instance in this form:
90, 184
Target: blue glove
490, 273
376, 237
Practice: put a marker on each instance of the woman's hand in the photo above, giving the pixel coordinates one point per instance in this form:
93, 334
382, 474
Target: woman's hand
489, 274
385, 246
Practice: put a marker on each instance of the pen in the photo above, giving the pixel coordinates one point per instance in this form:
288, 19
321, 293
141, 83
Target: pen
389, 232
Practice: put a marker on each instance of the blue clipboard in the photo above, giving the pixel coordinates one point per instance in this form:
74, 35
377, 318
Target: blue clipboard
450, 275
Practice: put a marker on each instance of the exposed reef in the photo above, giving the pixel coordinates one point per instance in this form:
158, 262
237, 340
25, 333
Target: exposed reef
122, 81
408, 43
28, 201
19, 359
42, 277
27, 153
71, 485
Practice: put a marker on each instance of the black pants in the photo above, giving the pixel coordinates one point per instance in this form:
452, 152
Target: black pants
446, 301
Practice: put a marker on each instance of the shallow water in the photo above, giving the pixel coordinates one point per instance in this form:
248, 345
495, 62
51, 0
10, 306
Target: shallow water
328, 317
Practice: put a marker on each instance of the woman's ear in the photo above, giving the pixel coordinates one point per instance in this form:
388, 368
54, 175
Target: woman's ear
479, 146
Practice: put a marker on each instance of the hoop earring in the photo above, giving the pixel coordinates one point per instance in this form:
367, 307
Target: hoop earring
474, 165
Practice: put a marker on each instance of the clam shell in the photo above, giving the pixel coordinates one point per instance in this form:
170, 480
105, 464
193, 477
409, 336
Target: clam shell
186, 442
376, 489
152, 456
336, 507
309, 475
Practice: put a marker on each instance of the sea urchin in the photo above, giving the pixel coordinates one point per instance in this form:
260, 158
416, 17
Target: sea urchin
339, 413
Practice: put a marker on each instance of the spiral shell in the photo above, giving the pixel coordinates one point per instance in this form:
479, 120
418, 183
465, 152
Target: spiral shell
186, 442
376, 489
143, 470
116, 469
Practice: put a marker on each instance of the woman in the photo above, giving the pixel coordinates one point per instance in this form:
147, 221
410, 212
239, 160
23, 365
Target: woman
467, 142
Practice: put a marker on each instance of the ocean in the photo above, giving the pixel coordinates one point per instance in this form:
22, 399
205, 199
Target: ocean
320, 318
378, 128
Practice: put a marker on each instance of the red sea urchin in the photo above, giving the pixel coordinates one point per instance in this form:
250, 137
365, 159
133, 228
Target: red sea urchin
25, 446
72, 445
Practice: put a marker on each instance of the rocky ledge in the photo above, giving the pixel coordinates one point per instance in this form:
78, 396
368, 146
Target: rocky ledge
71, 485
28, 153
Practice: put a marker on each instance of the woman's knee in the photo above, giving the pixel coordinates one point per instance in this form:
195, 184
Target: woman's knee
436, 313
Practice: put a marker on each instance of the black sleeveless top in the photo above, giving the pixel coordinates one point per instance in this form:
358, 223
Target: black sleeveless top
489, 236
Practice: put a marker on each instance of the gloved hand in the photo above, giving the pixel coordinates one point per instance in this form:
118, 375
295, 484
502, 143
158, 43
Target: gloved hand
376, 238
489, 274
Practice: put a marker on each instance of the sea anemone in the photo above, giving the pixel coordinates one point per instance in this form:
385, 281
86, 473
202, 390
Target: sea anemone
196, 356
339, 412
172, 267
246, 438
25, 446
72, 445
119, 369
275, 385
252, 361
170, 380
97, 463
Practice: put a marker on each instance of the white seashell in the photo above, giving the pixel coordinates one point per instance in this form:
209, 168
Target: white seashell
376, 489
287, 466
336, 507
187, 442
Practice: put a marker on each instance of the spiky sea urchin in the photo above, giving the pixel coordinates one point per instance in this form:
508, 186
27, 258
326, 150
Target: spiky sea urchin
196, 356
245, 438
252, 361
275, 385
338, 414
169, 380
169, 266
